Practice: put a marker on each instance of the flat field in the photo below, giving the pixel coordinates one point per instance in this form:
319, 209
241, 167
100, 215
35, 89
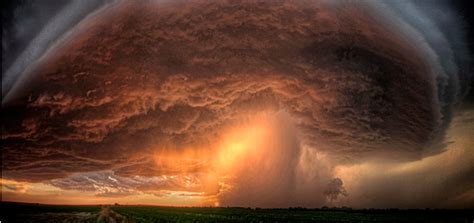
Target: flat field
19, 212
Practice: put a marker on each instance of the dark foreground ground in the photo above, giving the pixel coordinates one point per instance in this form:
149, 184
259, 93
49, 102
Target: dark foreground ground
19, 212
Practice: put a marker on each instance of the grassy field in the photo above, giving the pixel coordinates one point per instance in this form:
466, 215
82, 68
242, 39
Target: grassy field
175, 214
16, 212
23, 212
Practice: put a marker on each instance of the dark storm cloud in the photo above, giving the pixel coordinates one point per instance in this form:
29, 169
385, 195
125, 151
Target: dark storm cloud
340, 83
21, 22
443, 30
31, 29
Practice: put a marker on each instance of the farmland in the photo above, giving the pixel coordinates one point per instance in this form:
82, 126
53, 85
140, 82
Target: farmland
23, 212
19, 212
199, 214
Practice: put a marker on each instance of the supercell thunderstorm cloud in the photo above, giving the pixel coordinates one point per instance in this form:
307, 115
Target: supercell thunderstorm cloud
255, 103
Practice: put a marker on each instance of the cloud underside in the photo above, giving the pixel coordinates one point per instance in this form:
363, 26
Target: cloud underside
161, 101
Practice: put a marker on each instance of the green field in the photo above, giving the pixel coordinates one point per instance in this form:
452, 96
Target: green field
16, 212
172, 214
22, 212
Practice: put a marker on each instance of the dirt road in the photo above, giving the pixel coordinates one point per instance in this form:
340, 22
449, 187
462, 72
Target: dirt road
107, 215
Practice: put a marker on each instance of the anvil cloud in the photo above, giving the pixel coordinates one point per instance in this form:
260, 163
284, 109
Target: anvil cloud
269, 104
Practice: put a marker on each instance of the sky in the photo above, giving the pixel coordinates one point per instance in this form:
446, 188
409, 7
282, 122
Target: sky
257, 104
